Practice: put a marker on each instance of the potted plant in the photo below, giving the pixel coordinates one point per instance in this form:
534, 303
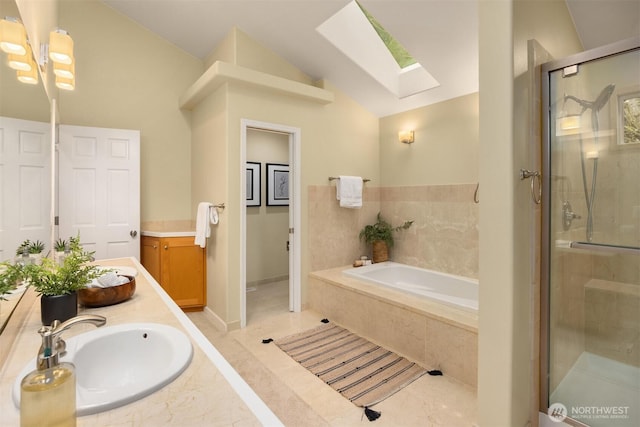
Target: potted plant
380, 236
58, 282
62, 247
30, 249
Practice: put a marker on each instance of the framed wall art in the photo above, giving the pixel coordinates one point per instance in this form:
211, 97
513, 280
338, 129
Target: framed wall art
253, 184
277, 184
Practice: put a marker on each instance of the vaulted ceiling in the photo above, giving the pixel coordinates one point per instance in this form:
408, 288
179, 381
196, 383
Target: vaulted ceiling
441, 34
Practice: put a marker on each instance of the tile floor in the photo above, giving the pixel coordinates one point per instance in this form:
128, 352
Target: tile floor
299, 398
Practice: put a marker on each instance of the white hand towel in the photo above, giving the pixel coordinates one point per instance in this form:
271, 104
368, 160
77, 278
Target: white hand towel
108, 280
213, 215
203, 230
349, 191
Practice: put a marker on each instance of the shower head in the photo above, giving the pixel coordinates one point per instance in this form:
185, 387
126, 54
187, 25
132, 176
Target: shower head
603, 98
599, 102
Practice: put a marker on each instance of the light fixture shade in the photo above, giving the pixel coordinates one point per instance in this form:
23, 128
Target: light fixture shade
406, 136
13, 37
21, 62
66, 84
568, 125
60, 47
28, 77
66, 71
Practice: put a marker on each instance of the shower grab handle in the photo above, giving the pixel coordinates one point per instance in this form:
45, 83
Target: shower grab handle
533, 176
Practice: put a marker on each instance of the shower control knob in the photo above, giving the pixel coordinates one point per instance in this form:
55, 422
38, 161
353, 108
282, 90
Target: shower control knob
568, 215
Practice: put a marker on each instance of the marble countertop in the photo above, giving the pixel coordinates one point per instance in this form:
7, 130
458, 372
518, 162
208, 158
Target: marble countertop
209, 392
168, 233
168, 229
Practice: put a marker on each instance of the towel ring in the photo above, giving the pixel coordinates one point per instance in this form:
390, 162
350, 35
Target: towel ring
534, 176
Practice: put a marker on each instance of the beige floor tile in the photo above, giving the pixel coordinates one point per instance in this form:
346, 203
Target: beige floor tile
299, 398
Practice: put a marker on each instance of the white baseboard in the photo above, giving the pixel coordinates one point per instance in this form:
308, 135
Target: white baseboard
220, 324
266, 281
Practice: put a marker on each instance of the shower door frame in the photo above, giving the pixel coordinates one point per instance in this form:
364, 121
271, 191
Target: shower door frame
545, 247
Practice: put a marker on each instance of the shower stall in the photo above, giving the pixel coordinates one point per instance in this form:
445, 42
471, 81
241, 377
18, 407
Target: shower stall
590, 281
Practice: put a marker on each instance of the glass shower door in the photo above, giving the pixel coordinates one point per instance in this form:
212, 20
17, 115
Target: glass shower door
591, 236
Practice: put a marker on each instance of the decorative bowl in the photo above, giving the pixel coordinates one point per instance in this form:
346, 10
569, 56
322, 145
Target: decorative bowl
101, 297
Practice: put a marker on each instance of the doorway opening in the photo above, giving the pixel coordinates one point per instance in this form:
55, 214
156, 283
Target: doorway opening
270, 242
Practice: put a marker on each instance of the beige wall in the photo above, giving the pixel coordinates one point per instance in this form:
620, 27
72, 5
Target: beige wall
505, 395
209, 183
240, 49
129, 78
337, 138
446, 146
267, 226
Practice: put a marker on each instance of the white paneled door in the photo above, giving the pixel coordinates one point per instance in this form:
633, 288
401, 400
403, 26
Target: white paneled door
25, 176
99, 189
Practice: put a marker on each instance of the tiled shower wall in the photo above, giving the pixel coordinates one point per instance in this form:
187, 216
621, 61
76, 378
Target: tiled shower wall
443, 237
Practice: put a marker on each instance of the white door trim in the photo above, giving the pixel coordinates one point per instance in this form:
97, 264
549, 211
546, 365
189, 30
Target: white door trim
295, 299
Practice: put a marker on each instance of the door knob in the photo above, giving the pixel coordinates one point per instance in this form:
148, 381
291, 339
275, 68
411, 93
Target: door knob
133, 233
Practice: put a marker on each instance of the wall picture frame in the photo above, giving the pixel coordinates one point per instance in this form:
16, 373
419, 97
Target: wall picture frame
253, 170
277, 184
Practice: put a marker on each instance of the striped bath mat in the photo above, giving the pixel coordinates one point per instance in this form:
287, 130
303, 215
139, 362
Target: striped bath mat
360, 370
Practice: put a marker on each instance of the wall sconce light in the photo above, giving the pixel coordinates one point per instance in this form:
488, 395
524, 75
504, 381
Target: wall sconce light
13, 36
60, 51
60, 47
13, 41
406, 136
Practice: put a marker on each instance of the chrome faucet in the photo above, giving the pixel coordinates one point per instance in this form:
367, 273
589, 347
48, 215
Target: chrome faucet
53, 345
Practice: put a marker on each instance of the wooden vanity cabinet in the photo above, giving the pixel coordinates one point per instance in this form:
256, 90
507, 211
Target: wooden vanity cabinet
180, 268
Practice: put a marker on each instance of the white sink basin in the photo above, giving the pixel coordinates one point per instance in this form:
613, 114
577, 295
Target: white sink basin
116, 365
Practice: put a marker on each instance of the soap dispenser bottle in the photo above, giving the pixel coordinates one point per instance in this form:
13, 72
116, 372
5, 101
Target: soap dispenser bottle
48, 394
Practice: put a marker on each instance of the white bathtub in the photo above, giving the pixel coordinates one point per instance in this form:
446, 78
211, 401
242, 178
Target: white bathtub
446, 288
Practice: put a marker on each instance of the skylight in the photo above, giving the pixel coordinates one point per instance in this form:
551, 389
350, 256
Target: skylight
399, 53
351, 31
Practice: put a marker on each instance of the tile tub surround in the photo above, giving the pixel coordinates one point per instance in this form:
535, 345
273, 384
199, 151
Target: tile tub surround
444, 236
209, 392
333, 231
434, 335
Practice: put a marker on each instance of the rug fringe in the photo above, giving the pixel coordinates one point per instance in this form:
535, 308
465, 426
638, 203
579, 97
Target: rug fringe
371, 414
